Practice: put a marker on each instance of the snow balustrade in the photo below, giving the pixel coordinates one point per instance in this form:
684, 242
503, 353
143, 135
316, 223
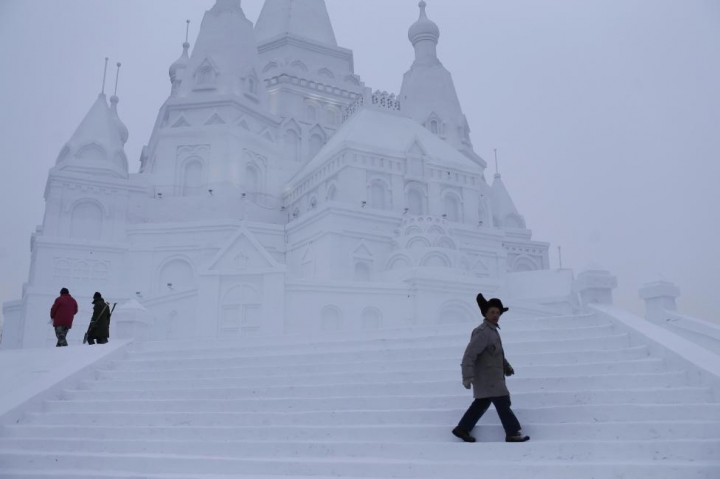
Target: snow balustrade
661, 310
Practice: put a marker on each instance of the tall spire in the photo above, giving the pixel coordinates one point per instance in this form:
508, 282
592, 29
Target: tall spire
225, 58
428, 92
122, 129
102, 90
307, 19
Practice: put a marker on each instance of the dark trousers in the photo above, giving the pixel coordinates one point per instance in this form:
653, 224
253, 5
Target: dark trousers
502, 406
93, 340
61, 335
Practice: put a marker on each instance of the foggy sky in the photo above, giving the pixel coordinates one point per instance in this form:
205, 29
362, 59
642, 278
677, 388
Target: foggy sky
606, 114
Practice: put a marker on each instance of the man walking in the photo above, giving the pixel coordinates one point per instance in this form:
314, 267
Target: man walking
484, 367
62, 313
99, 329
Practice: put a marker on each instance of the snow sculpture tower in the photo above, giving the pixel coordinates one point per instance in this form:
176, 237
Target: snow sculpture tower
428, 92
311, 80
80, 244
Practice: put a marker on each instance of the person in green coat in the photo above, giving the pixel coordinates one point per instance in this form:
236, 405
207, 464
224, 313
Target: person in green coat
484, 368
99, 330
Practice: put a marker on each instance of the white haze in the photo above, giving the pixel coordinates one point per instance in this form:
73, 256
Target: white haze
606, 114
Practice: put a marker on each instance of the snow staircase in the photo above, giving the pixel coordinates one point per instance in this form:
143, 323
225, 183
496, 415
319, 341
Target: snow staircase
595, 404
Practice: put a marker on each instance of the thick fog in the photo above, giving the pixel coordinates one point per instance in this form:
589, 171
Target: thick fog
606, 114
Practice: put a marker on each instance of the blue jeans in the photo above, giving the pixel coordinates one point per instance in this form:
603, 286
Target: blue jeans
502, 406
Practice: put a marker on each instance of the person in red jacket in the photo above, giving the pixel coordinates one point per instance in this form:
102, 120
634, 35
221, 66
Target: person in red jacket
62, 314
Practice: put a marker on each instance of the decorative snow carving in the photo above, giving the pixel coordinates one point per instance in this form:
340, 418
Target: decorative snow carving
386, 100
215, 119
205, 75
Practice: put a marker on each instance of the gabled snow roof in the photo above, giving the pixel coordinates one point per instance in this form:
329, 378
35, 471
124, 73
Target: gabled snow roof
307, 19
390, 134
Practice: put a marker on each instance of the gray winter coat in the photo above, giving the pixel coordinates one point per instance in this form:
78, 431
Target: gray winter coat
484, 362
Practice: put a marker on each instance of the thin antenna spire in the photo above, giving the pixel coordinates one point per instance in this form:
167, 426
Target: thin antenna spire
187, 30
117, 77
104, 76
497, 170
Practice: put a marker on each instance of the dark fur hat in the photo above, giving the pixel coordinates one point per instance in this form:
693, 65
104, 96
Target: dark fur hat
485, 304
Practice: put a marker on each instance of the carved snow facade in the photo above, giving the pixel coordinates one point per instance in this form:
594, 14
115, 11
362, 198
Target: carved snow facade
277, 195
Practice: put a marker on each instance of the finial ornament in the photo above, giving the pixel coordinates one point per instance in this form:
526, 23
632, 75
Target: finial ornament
187, 30
117, 77
104, 76
422, 6
497, 170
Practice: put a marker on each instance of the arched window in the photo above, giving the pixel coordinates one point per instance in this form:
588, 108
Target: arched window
371, 318
252, 180
192, 178
252, 86
205, 76
86, 221
332, 193
176, 275
292, 145
316, 144
331, 320
436, 260
452, 208
331, 116
416, 202
378, 195
434, 127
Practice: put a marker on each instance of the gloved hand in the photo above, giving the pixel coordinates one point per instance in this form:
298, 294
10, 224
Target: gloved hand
467, 383
509, 371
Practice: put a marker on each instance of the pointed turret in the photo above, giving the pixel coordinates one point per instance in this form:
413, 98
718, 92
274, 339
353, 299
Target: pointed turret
302, 60
505, 214
307, 19
97, 146
225, 58
428, 92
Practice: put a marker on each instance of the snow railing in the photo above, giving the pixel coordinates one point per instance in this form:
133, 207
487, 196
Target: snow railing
32, 376
702, 365
379, 100
661, 309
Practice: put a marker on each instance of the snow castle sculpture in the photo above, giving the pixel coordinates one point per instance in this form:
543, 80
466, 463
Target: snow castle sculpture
277, 194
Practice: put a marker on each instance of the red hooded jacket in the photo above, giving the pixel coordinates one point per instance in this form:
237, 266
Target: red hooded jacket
63, 311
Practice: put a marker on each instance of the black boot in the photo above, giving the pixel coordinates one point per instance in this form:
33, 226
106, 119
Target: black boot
517, 438
463, 434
